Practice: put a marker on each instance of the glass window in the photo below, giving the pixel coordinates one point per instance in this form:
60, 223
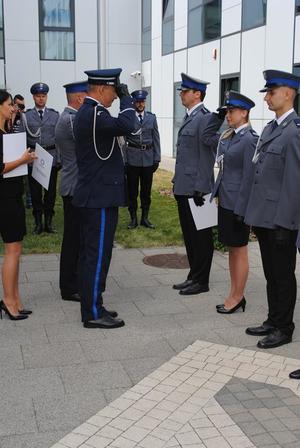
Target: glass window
148, 99
232, 83
179, 113
168, 27
57, 35
146, 30
204, 21
254, 13
297, 6
1, 31
296, 71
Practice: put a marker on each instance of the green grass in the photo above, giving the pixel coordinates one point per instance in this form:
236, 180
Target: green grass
163, 214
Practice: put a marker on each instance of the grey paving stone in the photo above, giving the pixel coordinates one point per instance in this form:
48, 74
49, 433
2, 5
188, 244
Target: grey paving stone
161, 307
113, 394
262, 414
137, 369
253, 404
68, 411
36, 440
243, 417
65, 353
16, 416
42, 276
271, 402
284, 437
260, 440
274, 425
252, 428
94, 377
11, 358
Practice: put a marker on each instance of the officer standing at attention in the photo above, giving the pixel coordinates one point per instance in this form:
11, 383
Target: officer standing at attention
65, 141
273, 208
39, 124
100, 189
194, 177
142, 159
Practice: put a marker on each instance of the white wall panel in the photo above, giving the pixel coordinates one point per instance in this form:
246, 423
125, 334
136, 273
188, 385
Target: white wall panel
252, 66
21, 20
156, 76
231, 16
180, 38
156, 6
2, 77
180, 64
86, 59
86, 20
194, 61
56, 75
211, 73
231, 54
297, 41
166, 100
146, 71
279, 34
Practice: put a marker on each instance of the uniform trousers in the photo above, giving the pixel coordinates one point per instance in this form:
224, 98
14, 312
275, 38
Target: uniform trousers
97, 230
198, 243
279, 265
68, 274
42, 204
142, 175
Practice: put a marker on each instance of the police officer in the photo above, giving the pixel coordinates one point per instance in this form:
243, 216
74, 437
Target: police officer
39, 124
232, 187
295, 375
273, 209
65, 141
142, 159
196, 145
100, 189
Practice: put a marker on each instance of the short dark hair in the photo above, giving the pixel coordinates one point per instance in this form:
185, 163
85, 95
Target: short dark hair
18, 97
4, 95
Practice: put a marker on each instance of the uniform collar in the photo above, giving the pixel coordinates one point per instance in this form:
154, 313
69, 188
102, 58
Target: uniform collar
71, 108
140, 113
191, 110
241, 127
41, 108
92, 99
283, 117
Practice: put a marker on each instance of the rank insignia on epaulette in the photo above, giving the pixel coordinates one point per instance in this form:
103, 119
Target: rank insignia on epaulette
253, 132
297, 122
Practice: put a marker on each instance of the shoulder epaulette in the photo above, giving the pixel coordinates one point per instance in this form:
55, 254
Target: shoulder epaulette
148, 112
253, 132
28, 110
269, 122
297, 122
204, 110
53, 110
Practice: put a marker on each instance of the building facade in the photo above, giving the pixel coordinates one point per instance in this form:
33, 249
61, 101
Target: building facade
226, 42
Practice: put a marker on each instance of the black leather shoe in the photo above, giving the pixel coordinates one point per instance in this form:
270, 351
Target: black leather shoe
111, 313
241, 304
295, 375
183, 284
262, 330
72, 297
146, 223
25, 312
195, 288
105, 321
133, 223
274, 339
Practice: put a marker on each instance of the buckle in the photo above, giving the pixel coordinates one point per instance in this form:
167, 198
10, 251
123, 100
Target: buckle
143, 147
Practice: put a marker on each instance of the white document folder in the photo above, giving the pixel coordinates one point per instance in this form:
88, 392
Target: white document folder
41, 168
13, 147
206, 215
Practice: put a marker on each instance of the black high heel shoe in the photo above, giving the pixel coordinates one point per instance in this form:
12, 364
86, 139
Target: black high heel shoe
4, 308
25, 312
241, 304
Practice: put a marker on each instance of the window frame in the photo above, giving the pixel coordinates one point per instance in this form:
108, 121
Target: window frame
3, 30
70, 29
228, 76
205, 40
176, 85
255, 26
171, 19
143, 30
297, 99
297, 13
148, 103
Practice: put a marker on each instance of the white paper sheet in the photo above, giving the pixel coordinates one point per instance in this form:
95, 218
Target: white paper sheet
13, 147
206, 215
41, 168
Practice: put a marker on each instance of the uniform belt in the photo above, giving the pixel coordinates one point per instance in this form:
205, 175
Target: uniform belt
135, 145
47, 148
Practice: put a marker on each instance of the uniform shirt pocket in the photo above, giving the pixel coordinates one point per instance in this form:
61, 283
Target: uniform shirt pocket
189, 133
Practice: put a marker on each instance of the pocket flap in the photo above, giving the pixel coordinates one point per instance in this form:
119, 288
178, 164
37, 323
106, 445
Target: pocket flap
189, 132
275, 149
272, 195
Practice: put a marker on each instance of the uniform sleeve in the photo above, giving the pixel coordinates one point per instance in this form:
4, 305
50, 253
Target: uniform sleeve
122, 125
156, 142
210, 134
288, 209
247, 177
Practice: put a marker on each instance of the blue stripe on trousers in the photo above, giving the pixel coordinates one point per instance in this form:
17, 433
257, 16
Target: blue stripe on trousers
99, 262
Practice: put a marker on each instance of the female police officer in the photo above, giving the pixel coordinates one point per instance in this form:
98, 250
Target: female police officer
234, 156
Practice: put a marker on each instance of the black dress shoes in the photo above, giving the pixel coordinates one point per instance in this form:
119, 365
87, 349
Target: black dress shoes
274, 339
105, 321
262, 330
194, 288
111, 313
183, 284
295, 375
73, 297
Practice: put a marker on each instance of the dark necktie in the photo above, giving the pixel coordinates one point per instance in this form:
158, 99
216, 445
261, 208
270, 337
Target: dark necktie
186, 117
274, 125
40, 111
141, 118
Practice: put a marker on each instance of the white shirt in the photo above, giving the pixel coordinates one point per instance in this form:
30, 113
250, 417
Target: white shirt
283, 117
140, 113
241, 127
42, 108
189, 111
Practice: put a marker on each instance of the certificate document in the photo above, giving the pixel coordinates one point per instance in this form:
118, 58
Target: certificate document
206, 215
13, 147
41, 168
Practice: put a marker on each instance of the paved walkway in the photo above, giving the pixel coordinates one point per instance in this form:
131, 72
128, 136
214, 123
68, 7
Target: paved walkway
56, 375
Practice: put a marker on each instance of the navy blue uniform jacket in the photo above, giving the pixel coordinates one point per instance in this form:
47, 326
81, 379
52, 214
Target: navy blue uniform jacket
101, 183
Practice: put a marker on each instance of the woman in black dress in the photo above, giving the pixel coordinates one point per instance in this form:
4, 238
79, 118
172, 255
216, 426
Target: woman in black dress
234, 156
12, 220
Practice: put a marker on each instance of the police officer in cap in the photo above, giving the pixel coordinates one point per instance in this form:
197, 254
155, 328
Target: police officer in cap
295, 375
194, 177
100, 189
39, 124
65, 141
142, 159
273, 208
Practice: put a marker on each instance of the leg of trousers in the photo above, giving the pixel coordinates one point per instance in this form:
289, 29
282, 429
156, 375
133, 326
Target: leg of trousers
198, 243
133, 177
36, 191
97, 230
68, 274
279, 265
50, 195
146, 178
